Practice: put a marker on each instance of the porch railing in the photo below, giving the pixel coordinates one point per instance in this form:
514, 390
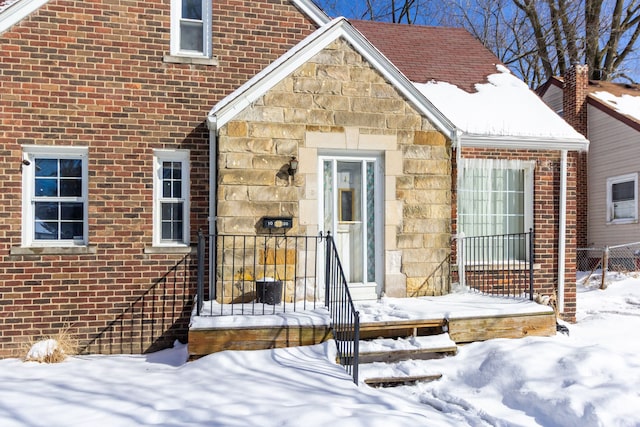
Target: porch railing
497, 265
345, 319
268, 274
257, 275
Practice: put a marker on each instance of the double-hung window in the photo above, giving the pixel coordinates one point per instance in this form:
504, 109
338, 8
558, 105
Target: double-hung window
171, 198
495, 197
55, 183
191, 28
622, 199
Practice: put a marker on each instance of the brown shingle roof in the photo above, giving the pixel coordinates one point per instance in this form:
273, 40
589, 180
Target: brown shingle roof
423, 53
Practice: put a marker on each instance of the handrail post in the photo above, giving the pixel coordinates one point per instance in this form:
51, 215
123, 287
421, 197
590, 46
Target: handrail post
461, 255
200, 290
531, 262
327, 269
356, 346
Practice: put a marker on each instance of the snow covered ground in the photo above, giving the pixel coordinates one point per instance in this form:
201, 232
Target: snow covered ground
588, 378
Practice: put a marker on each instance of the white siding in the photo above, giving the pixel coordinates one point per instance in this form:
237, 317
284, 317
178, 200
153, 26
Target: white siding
614, 150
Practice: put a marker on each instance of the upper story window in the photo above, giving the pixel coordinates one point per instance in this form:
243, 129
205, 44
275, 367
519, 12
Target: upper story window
171, 198
622, 198
191, 28
55, 194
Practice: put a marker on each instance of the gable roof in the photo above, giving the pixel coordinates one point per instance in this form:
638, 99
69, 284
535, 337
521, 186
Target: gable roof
227, 108
422, 53
619, 100
499, 110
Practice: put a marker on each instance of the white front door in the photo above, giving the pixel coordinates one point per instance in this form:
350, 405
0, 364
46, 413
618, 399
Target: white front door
351, 210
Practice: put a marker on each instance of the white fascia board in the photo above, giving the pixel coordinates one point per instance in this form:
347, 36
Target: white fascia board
256, 87
524, 142
309, 8
18, 11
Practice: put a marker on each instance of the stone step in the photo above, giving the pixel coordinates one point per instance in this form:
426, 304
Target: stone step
390, 350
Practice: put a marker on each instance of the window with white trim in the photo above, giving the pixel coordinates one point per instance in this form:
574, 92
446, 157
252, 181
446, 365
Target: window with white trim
191, 28
171, 198
55, 190
622, 199
495, 197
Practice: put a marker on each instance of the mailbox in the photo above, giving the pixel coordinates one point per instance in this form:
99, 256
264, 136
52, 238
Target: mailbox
277, 222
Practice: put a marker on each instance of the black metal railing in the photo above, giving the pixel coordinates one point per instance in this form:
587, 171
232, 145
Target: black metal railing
345, 319
257, 275
268, 274
497, 265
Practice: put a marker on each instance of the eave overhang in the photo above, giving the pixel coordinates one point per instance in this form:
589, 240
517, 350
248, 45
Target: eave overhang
524, 142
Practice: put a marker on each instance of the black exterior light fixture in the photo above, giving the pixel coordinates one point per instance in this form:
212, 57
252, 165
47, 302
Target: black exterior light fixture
293, 166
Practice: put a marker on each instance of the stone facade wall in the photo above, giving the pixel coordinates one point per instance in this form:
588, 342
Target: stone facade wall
546, 202
92, 74
337, 103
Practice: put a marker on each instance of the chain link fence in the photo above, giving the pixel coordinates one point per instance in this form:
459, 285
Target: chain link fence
600, 261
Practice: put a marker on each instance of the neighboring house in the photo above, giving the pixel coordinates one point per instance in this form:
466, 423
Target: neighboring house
113, 164
609, 115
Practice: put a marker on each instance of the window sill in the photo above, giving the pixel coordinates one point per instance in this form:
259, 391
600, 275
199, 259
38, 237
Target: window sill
194, 60
622, 221
53, 250
179, 250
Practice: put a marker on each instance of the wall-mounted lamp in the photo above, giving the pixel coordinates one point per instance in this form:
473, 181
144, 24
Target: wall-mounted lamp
26, 162
293, 166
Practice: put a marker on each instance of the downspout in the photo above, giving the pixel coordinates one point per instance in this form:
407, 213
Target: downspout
457, 143
213, 192
562, 231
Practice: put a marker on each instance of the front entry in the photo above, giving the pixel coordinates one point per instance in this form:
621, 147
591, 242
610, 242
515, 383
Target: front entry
351, 210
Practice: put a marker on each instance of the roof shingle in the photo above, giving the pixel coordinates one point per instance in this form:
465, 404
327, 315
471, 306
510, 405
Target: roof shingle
422, 53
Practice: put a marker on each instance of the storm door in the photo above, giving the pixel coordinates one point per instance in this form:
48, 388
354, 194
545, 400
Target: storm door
351, 210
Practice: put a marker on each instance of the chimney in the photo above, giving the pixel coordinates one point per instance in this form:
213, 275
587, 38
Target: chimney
574, 104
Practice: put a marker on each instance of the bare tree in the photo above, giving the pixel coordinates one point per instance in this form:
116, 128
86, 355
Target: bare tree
536, 38
550, 35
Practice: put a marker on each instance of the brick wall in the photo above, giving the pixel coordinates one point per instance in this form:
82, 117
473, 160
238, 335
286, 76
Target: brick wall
92, 74
546, 201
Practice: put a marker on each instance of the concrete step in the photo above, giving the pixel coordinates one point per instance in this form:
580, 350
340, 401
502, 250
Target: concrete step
363, 292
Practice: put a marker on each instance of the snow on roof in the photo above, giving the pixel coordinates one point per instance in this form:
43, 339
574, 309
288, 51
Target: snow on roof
626, 104
505, 106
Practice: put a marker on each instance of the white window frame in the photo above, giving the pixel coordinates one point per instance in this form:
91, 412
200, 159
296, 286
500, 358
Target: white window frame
30, 153
160, 156
176, 18
610, 205
527, 167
